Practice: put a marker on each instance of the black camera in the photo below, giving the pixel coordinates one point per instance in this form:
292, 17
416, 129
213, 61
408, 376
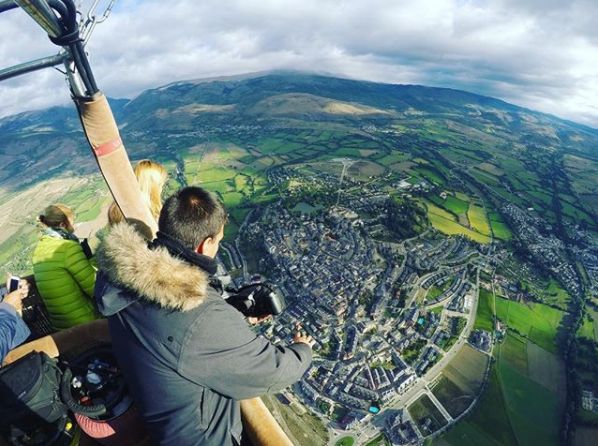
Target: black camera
257, 300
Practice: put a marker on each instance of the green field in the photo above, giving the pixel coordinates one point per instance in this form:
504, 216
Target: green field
345, 441
501, 230
537, 322
546, 369
431, 175
553, 293
594, 314
466, 369
533, 410
513, 350
433, 209
491, 169
87, 200
456, 205
522, 403
451, 396
393, 158
587, 328
488, 424
484, 319
232, 199
478, 220
450, 227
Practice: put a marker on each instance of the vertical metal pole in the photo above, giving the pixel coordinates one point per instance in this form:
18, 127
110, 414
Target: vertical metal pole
74, 79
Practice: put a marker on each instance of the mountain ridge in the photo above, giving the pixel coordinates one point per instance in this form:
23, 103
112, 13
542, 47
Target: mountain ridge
50, 116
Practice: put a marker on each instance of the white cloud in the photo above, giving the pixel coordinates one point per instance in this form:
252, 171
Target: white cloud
536, 53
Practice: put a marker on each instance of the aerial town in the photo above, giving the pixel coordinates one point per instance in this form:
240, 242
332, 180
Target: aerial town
387, 315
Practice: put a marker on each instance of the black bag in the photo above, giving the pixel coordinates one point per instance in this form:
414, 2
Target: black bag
29, 393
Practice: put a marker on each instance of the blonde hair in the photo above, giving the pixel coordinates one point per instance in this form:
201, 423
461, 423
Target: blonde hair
151, 177
56, 214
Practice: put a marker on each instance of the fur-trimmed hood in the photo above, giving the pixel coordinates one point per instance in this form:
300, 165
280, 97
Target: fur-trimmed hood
153, 274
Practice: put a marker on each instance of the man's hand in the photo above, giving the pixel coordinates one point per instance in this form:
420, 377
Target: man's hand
15, 298
303, 338
258, 320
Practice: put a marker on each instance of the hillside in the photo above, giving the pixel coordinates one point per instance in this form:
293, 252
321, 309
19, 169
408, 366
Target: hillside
528, 158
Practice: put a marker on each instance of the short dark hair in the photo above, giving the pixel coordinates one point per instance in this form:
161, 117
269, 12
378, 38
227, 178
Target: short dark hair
191, 215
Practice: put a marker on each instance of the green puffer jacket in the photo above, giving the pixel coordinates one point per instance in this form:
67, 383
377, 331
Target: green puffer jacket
65, 280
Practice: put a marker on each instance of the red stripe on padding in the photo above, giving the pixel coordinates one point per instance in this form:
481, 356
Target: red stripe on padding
108, 147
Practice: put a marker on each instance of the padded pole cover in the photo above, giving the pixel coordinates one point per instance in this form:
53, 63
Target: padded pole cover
109, 151
260, 426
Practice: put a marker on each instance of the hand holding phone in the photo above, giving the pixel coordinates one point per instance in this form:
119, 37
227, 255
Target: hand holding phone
16, 296
13, 283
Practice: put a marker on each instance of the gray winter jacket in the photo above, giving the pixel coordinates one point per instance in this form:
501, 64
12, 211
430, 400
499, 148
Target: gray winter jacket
187, 355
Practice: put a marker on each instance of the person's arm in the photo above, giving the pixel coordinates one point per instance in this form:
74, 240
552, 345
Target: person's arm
223, 354
13, 330
80, 268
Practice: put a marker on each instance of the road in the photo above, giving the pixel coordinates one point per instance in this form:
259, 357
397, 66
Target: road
237, 238
437, 368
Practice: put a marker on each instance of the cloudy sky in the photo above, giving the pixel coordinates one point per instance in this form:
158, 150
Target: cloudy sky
541, 54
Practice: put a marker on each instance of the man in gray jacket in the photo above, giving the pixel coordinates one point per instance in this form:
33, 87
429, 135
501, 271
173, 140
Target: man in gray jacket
187, 355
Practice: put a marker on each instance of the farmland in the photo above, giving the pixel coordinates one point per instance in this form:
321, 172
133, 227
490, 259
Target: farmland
461, 380
537, 322
449, 227
504, 415
455, 215
478, 220
526, 367
485, 316
488, 424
